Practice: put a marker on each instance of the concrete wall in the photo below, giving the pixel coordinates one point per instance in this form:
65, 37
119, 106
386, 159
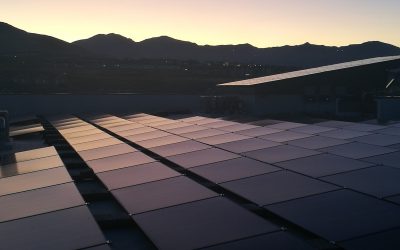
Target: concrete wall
388, 108
27, 105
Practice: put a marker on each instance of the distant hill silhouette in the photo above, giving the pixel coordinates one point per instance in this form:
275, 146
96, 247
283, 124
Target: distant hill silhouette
14, 41
305, 55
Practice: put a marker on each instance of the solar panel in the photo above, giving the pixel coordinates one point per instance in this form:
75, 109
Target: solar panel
71, 125
358, 150
380, 181
97, 153
337, 215
284, 136
389, 240
135, 131
116, 124
238, 127
198, 158
187, 129
389, 131
247, 145
136, 175
206, 121
317, 142
278, 241
192, 119
39, 179
161, 194
200, 224
395, 199
335, 124
96, 144
233, 169
220, 124
323, 165
72, 228
39, 201
165, 140
203, 133
280, 153
129, 126
76, 129
311, 129
286, 125
379, 139
173, 125
344, 134
30, 166
224, 138
179, 148
84, 133
88, 138
277, 187
102, 247
258, 131
27, 155
147, 136
391, 159
364, 127
119, 161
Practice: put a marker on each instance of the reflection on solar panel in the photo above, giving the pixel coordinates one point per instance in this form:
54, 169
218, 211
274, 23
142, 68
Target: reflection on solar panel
30, 166
306, 72
39, 179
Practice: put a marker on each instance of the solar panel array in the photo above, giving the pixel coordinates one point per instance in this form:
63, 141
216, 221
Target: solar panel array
312, 71
41, 208
336, 180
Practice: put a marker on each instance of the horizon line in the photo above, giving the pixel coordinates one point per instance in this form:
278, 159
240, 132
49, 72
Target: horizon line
200, 44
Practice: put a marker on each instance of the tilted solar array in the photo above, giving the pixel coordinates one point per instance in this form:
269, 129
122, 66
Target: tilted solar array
336, 180
41, 207
312, 71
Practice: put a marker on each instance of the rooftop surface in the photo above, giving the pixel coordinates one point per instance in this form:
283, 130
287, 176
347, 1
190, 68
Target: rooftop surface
143, 181
312, 71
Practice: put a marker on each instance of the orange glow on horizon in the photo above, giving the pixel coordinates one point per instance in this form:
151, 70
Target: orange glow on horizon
262, 23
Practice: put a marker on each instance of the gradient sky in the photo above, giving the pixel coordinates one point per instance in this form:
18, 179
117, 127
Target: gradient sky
263, 23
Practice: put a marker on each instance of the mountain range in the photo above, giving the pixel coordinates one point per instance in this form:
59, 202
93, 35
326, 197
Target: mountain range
14, 41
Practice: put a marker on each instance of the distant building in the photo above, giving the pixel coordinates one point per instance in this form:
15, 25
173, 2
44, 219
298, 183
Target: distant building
342, 89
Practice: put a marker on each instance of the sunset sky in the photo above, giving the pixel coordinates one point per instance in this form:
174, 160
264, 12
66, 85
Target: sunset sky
263, 23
